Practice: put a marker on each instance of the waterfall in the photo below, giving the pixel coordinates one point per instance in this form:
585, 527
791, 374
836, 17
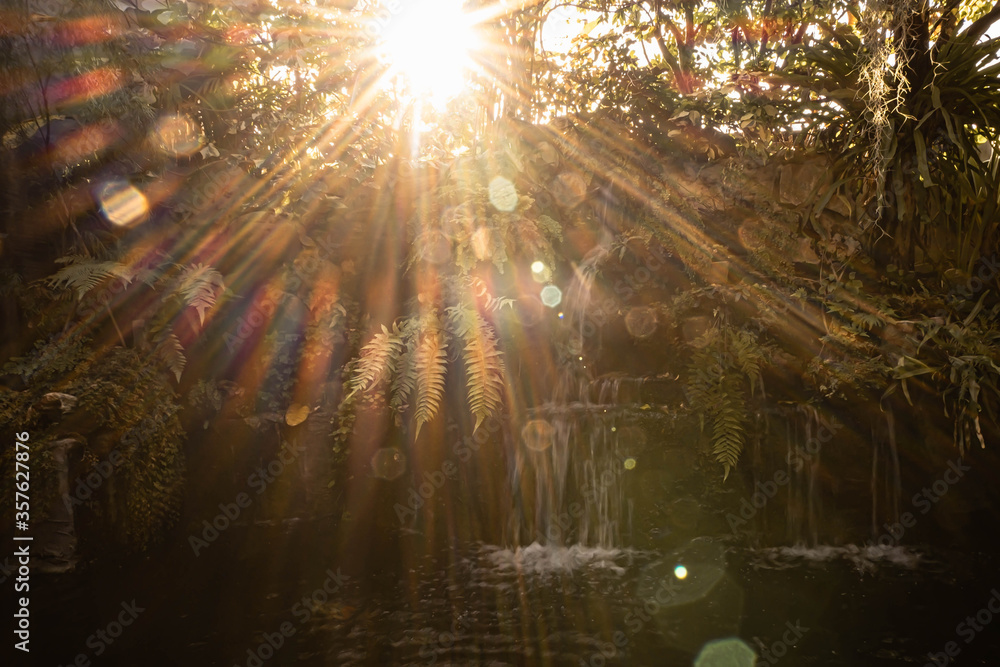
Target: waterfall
567, 468
579, 292
567, 473
804, 467
886, 484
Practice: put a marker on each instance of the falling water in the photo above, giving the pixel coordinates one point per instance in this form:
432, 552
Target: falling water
804, 510
886, 485
568, 474
568, 467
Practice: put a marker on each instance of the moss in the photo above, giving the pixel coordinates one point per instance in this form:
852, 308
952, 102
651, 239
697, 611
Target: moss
123, 404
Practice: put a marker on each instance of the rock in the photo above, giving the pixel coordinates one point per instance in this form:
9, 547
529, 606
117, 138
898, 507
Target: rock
52, 405
798, 182
569, 189
719, 273
840, 204
804, 253
55, 538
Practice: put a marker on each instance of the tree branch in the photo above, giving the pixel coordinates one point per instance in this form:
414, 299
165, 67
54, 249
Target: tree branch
983, 23
668, 57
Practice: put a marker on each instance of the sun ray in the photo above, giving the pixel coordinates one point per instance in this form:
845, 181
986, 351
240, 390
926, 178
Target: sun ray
430, 45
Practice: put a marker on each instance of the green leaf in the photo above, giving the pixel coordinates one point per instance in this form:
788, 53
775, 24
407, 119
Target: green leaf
921, 149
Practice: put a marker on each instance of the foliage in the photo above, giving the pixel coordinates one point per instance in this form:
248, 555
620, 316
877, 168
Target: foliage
923, 122
83, 274
196, 286
962, 356
276, 172
724, 373
412, 360
724, 361
123, 405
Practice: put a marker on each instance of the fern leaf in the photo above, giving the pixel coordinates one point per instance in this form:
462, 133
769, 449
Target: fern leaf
716, 392
430, 368
405, 379
84, 273
199, 286
483, 364
171, 352
728, 438
378, 360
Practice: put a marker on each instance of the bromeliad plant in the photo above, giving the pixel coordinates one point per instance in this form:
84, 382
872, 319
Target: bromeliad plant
923, 119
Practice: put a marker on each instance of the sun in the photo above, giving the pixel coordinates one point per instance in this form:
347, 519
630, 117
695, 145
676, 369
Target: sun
430, 44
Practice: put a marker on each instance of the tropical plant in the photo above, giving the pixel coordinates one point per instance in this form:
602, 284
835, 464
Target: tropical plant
122, 404
195, 286
409, 363
924, 122
724, 373
959, 358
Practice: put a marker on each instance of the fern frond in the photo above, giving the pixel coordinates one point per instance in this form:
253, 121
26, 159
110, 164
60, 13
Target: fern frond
715, 389
84, 273
484, 365
405, 373
431, 361
199, 286
378, 360
171, 352
728, 437
750, 357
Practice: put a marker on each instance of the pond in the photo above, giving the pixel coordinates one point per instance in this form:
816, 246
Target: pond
277, 593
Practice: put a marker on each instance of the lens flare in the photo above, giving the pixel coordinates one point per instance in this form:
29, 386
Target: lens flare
551, 296
177, 135
121, 203
503, 194
641, 322
430, 44
728, 652
538, 435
